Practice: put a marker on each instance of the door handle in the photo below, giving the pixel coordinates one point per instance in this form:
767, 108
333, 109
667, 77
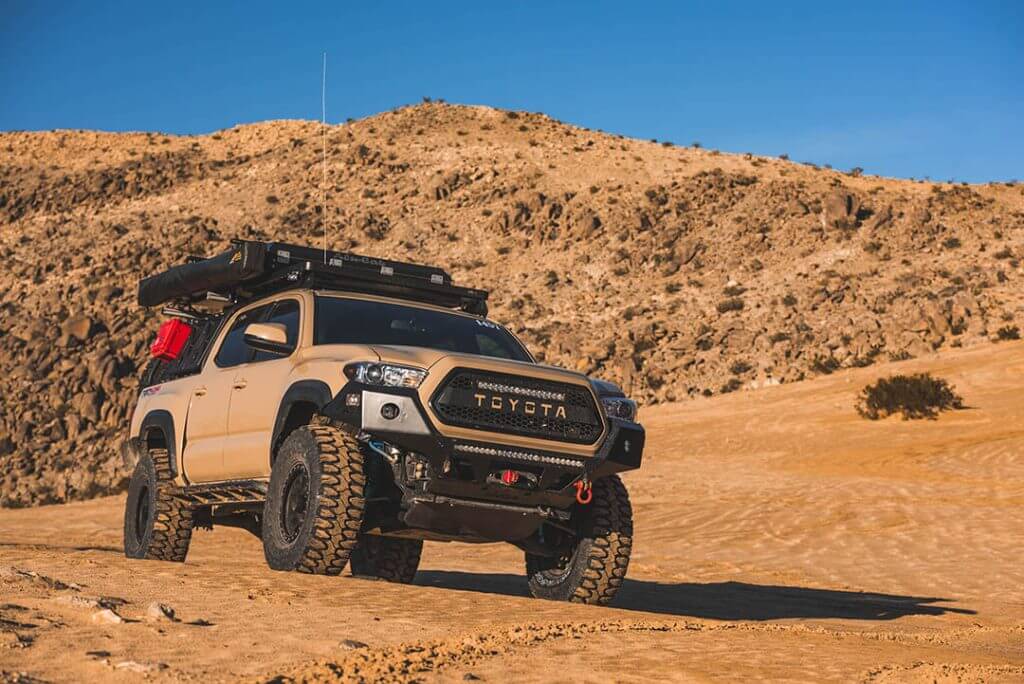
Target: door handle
240, 384
199, 391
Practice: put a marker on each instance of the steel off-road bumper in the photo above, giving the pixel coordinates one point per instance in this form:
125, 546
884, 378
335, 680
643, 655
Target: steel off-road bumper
454, 488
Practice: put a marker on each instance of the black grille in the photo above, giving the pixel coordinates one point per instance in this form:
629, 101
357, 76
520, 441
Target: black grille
519, 406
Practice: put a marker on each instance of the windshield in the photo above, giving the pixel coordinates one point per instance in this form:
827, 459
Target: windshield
355, 321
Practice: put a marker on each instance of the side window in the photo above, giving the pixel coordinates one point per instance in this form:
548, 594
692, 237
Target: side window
285, 312
233, 350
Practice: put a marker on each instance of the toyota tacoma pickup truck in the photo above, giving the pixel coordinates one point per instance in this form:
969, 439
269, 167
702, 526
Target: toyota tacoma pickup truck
346, 409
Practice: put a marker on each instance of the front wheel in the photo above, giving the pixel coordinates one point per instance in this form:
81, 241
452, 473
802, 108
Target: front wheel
593, 568
386, 558
315, 501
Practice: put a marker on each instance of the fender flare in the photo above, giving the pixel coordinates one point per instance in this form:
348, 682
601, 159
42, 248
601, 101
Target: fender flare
315, 392
162, 421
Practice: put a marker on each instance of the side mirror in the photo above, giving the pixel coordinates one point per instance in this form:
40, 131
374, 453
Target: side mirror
268, 337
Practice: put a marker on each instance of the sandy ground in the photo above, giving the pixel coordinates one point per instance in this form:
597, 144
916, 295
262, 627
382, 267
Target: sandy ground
779, 536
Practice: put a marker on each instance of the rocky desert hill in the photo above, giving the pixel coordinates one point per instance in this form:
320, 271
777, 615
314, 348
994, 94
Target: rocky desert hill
676, 271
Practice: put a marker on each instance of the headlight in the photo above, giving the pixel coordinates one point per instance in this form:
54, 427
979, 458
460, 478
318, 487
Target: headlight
619, 407
385, 374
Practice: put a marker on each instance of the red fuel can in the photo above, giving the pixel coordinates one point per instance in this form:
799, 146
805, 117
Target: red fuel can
170, 339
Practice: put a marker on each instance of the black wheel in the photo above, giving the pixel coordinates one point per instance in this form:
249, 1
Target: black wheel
595, 565
387, 558
314, 502
157, 524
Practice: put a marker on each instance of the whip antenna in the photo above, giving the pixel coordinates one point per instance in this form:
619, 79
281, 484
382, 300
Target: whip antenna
323, 125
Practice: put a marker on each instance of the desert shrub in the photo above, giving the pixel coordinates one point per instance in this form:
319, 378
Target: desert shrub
1008, 332
779, 337
731, 386
734, 290
789, 300
951, 243
825, 365
739, 367
733, 304
914, 396
1004, 253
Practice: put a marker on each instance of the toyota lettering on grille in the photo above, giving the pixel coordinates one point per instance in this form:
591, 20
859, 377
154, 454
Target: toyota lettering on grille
526, 407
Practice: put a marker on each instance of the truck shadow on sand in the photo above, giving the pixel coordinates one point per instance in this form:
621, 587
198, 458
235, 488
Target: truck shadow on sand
721, 600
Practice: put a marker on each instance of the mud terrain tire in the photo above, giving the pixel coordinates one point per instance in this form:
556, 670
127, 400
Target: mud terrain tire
387, 558
594, 570
157, 525
314, 502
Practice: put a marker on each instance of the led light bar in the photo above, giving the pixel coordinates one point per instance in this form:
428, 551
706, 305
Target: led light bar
524, 391
518, 455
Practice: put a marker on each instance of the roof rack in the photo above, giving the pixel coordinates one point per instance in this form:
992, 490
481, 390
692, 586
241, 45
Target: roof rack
252, 269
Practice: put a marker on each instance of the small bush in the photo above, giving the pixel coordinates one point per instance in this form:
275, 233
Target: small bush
914, 396
731, 386
825, 365
733, 304
951, 243
272, 199
1008, 332
739, 367
779, 337
789, 300
734, 290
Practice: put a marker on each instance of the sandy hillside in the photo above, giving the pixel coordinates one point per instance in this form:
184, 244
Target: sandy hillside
678, 272
779, 536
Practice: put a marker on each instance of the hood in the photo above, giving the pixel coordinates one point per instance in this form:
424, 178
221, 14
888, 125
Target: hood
422, 357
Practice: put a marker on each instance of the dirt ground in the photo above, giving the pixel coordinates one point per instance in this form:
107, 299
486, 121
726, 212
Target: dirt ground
779, 536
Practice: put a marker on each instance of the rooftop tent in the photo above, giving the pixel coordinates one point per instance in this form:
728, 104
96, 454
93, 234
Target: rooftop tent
253, 269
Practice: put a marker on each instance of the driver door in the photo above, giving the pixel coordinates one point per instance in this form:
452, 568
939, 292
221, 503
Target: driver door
256, 397
206, 424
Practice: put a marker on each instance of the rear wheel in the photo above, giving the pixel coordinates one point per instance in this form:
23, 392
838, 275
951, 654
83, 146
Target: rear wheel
593, 567
314, 501
157, 525
387, 558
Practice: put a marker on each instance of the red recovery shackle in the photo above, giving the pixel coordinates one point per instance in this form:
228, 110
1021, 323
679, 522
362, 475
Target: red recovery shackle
584, 492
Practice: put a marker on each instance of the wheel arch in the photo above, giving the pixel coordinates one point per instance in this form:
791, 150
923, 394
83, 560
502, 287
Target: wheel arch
300, 403
157, 432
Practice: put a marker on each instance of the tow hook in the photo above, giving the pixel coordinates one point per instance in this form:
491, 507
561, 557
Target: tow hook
584, 491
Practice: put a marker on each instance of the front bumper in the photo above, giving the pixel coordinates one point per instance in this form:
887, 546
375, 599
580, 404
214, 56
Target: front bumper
438, 476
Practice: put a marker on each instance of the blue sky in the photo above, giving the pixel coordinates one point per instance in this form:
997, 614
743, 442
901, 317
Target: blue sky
930, 89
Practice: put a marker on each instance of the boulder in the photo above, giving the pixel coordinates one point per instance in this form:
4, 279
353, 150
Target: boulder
839, 210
